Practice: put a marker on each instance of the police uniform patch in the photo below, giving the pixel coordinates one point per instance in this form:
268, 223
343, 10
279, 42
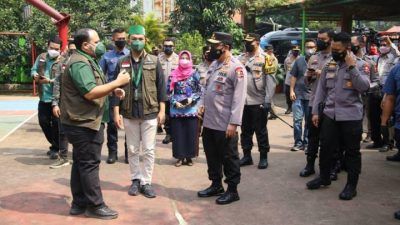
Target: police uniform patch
125, 65
366, 68
239, 72
349, 84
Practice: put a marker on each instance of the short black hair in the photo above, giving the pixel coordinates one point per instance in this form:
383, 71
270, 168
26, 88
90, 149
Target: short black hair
310, 40
360, 39
169, 39
82, 35
343, 37
329, 31
118, 31
55, 40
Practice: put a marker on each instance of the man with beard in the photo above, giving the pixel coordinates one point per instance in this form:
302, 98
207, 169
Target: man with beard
169, 61
222, 108
255, 114
341, 84
316, 63
108, 64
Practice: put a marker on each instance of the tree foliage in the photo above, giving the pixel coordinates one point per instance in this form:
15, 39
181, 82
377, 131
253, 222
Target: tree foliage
206, 16
192, 42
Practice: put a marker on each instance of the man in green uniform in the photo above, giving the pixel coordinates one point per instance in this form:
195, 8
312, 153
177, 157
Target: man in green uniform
84, 107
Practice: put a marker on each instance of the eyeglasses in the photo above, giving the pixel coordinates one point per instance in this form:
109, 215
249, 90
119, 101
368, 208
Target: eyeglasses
168, 46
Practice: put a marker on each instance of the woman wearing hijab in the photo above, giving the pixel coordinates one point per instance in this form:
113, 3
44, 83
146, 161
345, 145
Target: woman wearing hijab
184, 90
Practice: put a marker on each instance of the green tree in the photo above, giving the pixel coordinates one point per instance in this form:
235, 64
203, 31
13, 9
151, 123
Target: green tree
206, 16
250, 8
192, 42
155, 30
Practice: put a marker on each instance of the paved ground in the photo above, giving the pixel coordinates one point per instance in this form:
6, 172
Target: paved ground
31, 193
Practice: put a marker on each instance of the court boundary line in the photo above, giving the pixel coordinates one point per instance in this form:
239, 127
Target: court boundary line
18, 126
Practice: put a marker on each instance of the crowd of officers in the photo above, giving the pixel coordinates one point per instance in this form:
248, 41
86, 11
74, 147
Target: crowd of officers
332, 87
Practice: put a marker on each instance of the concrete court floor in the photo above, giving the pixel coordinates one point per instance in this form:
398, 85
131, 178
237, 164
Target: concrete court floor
31, 193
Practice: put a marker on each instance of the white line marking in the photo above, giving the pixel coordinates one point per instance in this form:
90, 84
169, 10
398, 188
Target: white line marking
178, 215
17, 127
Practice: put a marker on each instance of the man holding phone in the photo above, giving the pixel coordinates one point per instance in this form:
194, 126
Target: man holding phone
44, 72
341, 84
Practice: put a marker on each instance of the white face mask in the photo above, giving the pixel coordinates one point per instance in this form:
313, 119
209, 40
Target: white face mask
310, 52
53, 53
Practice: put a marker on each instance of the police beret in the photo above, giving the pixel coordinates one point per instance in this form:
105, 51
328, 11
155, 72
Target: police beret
221, 37
252, 37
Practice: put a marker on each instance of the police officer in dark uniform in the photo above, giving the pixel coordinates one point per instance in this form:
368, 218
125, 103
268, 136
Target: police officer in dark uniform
341, 84
255, 116
222, 106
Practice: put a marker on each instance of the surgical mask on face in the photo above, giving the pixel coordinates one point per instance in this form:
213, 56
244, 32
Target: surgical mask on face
168, 50
99, 50
309, 52
53, 53
184, 63
249, 47
215, 53
339, 56
322, 45
384, 49
120, 44
137, 45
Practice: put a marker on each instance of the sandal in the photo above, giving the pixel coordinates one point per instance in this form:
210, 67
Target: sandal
178, 163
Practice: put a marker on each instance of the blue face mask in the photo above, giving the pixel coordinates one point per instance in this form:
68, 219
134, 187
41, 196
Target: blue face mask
168, 50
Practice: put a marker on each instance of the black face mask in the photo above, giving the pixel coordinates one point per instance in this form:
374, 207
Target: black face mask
355, 49
295, 53
120, 44
322, 45
249, 47
339, 56
71, 51
168, 50
215, 53
207, 57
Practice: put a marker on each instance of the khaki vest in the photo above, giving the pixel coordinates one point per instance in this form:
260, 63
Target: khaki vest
76, 110
149, 87
42, 70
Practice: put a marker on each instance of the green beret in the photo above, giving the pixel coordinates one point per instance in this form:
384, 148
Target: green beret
137, 29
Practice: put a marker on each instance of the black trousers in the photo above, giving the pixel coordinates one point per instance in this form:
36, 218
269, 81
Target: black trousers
112, 132
313, 136
167, 124
49, 124
345, 133
287, 95
221, 154
86, 155
375, 119
63, 140
254, 120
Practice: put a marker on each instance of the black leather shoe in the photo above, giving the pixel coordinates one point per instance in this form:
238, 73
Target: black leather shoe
394, 158
348, 193
112, 159
148, 191
126, 161
167, 139
134, 188
288, 111
307, 171
103, 213
211, 191
385, 148
397, 215
263, 164
317, 183
77, 210
333, 176
227, 198
247, 160
53, 155
374, 146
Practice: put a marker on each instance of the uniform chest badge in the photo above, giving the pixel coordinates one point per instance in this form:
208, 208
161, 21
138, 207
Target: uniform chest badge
349, 84
239, 72
125, 65
366, 69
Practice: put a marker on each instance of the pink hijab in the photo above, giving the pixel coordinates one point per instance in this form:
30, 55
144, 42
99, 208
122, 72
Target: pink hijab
181, 73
